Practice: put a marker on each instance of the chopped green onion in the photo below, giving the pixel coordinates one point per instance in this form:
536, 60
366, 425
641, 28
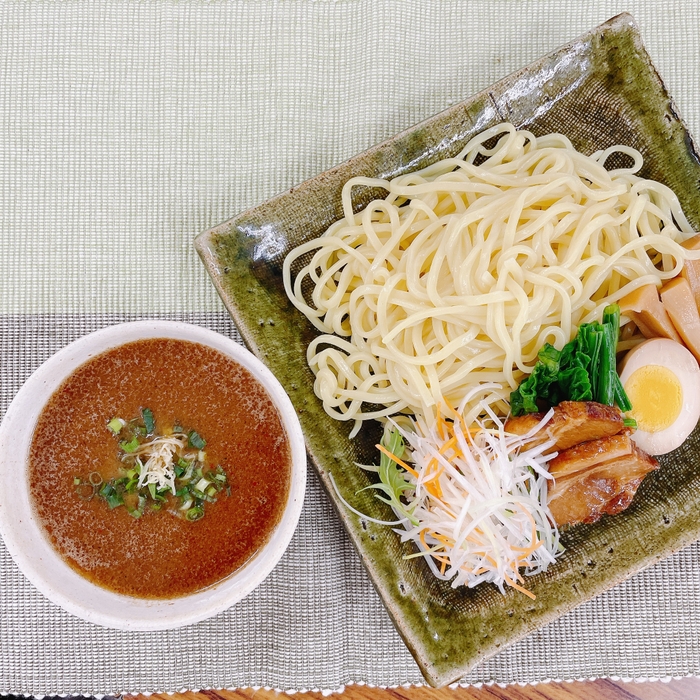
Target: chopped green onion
196, 440
130, 446
116, 424
202, 484
630, 423
76, 481
148, 420
194, 514
111, 495
195, 482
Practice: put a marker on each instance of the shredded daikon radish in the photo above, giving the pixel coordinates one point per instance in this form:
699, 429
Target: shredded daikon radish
479, 501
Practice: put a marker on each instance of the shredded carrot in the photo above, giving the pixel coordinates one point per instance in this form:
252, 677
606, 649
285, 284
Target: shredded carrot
440, 423
447, 445
527, 551
512, 583
431, 482
444, 539
533, 536
401, 463
458, 416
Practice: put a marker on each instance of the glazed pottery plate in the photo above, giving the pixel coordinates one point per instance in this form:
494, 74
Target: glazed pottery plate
600, 90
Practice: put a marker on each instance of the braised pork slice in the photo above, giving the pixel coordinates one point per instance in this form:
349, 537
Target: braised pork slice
607, 487
581, 457
573, 422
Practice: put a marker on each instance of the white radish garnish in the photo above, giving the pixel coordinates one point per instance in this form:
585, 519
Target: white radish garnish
477, 503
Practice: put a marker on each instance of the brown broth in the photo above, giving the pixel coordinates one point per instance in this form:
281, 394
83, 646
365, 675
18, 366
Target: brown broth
159, 555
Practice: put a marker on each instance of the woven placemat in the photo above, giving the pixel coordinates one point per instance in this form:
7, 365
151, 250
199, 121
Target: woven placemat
128, 128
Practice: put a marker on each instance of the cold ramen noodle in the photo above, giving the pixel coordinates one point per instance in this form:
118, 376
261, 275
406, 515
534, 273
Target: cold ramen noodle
480, 310
159, 468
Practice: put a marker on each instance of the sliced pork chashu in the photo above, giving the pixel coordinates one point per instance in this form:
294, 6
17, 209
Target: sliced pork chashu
586, 455
573, 422
606, 487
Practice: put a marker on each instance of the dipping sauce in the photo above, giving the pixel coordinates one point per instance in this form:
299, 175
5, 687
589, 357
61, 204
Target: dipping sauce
159, 555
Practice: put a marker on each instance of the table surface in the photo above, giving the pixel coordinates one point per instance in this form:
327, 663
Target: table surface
682, 689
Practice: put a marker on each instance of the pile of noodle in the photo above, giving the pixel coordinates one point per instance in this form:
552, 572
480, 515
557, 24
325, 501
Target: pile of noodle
463, 271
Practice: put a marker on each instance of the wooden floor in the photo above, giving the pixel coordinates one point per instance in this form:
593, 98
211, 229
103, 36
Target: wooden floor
683, 689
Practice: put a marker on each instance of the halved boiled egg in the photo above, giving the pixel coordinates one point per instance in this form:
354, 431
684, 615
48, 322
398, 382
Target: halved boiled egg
662, 380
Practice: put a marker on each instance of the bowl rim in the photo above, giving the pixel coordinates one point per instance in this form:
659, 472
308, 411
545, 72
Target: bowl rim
31, 550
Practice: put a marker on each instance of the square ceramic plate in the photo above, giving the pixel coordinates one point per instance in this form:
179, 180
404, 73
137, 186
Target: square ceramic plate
600, 90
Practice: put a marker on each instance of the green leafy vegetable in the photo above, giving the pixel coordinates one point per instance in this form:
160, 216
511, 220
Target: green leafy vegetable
392, 481
621, 398
584, 370
607, 371
539, 385
148, 420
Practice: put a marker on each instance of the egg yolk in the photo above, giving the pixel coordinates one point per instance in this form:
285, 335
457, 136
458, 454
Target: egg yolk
656, 396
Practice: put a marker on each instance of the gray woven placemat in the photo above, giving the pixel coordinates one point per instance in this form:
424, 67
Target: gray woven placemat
316, 622
129, 126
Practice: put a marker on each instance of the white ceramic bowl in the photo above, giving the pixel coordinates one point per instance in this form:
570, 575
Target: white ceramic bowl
34, 554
